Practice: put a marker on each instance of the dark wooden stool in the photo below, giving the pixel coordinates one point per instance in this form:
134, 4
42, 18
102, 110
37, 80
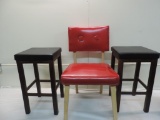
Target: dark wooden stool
136, 54
35, 56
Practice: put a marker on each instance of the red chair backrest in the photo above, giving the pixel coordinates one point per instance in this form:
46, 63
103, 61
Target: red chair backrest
88, 39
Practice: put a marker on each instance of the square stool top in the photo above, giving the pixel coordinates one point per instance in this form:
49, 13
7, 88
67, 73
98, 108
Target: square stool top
38, 54
134, 52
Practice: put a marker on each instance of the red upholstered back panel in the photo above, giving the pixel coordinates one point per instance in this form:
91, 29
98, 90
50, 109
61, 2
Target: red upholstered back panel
88, 39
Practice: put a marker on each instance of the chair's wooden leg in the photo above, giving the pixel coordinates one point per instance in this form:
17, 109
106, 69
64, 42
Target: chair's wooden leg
101, 89
114, 102
76, 88
66, 102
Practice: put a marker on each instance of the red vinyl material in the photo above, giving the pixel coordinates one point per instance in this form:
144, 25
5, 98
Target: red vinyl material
89, 74
88, 39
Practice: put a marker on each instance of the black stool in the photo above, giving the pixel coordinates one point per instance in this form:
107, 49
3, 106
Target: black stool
136, 54
35, 56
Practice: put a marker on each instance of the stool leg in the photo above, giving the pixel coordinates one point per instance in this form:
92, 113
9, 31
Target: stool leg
53, 87
109, 91
136, 77
150, 85
114, 102
112, 66
60, 72
66, 102
37, 79
76, 88
23, 87
119, 87
101, 89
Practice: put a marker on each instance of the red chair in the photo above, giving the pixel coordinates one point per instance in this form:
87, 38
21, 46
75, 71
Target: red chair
89, 39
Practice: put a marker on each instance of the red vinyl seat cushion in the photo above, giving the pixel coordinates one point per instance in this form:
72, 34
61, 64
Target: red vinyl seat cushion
89, 74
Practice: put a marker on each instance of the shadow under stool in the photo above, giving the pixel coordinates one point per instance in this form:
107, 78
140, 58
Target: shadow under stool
135, 54
43, 56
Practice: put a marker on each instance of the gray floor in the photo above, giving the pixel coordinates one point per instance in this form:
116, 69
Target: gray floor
87, 105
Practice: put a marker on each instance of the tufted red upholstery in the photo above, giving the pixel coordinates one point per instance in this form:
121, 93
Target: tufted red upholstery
89, 74
88, 39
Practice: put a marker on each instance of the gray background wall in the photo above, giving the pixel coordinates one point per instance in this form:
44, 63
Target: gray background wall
44, 23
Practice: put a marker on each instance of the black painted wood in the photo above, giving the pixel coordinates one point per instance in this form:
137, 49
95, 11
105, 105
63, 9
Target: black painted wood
60, 72
119, 87
36, 73
36, 56
150, 85
136, 77
53, 87
23, 87
136, 54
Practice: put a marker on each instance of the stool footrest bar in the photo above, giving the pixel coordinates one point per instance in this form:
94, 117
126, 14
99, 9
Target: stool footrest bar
142, 83
127, 79
36, 94
31, 85
137, 93
48, 80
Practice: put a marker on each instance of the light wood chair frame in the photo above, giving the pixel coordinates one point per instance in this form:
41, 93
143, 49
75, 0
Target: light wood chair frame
75, 61
113, 97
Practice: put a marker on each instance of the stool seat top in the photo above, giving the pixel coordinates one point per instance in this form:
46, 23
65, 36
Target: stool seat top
38, 54
134, 52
